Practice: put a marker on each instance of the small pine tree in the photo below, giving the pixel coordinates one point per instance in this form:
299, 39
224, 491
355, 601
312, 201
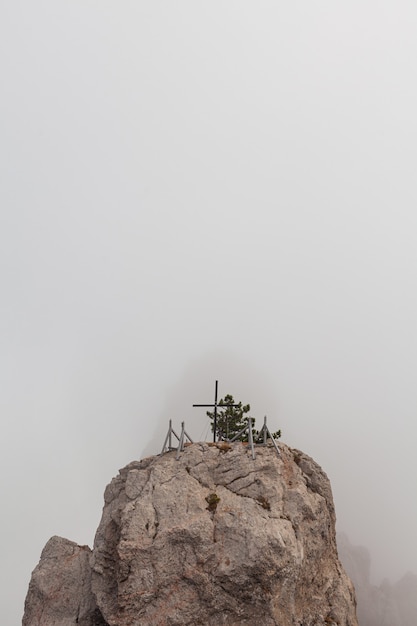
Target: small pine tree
232, 419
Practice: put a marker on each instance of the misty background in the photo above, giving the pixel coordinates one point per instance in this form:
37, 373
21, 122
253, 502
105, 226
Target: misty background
195, 191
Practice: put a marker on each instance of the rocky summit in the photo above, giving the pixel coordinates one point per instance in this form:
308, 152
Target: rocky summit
213, 538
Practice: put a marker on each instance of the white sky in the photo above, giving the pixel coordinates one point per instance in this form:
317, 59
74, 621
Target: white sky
198, 190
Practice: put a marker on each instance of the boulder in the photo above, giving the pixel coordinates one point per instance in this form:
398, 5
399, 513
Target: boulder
60, 588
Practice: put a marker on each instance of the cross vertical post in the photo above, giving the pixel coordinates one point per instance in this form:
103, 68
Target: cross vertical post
215, 410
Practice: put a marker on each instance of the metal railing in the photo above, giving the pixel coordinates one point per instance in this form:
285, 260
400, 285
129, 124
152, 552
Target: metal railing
263, 434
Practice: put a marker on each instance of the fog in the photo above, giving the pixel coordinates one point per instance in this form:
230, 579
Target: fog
197, 191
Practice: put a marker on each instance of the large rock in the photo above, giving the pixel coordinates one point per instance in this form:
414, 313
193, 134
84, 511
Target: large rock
60, 588
217, 538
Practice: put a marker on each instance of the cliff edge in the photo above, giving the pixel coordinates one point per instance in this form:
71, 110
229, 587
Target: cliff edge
213, 538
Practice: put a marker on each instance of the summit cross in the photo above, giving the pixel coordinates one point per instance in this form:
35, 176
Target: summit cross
215, 405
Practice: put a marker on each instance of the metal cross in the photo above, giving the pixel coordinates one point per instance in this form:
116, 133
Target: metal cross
215, 405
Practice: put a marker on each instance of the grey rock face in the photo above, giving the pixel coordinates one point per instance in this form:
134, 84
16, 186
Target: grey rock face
214, 538
219, 538
60, 588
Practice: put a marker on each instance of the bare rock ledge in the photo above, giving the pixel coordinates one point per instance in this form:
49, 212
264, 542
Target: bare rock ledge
214, 538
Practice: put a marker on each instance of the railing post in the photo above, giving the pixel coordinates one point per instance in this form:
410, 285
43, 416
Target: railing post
250, 437
181, 442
